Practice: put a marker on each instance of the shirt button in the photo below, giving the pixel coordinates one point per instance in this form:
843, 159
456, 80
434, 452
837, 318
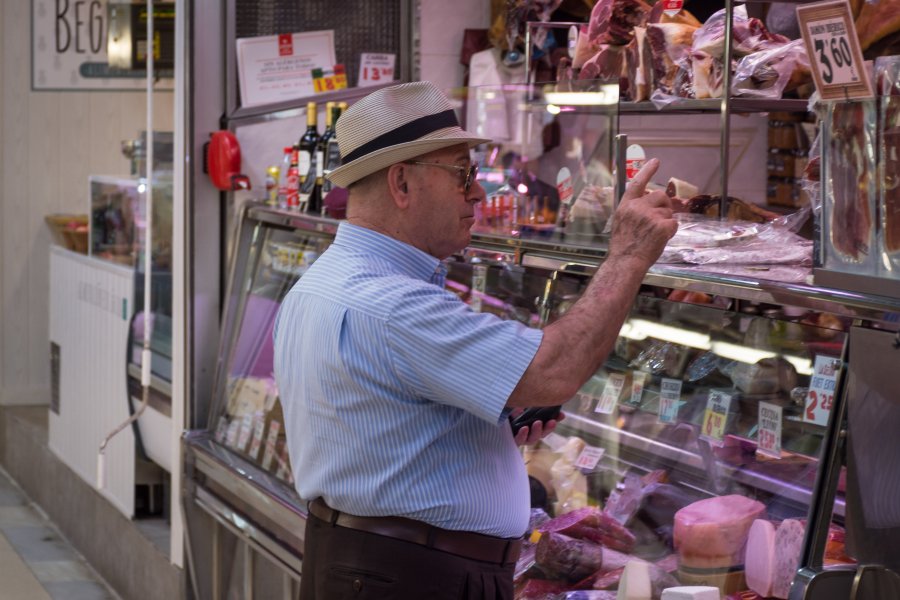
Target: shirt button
357, 585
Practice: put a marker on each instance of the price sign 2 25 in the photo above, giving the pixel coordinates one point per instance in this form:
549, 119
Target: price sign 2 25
818, 399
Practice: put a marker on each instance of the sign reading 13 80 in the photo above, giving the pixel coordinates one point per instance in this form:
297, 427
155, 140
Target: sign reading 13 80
833, 46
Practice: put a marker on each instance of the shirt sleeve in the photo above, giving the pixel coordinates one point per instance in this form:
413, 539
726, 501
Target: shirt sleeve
449, 354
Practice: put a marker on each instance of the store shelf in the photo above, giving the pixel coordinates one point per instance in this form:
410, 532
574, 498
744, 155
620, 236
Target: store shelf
297, 108
714, 105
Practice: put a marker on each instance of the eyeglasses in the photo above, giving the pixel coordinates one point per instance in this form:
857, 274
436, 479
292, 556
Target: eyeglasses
466, 174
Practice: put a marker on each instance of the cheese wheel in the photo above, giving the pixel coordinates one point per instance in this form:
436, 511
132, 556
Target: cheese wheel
712, 533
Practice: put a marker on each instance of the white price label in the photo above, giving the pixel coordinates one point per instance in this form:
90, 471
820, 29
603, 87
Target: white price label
833, 47
768, 436
271, 441
820, 396
638, 380
715, 417
376, 68
589, 458
259, 427
610, 396
634, 160
672, 7
479, 279
669, 400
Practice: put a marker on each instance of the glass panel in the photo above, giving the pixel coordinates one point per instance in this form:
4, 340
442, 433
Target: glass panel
548, 170
694, 437
251, 422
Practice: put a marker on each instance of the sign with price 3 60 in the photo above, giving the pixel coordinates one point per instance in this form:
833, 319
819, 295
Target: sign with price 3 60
833, 47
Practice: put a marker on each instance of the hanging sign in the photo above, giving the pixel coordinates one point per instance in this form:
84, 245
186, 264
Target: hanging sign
715, 417
672, 7
276, 68
820, 396
833, 47
376, 68
768, 437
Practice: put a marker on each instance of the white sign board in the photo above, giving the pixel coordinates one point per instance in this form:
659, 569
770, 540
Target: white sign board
277, 68
820, 396
68, 48
375, 69
833, 48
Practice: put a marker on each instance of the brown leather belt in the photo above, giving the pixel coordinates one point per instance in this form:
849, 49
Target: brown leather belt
475, 546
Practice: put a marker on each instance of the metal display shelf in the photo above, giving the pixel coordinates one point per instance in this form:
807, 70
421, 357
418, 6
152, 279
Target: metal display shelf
297, 107
714, 105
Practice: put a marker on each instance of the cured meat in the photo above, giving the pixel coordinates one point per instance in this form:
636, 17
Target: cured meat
541, 589
773, 72
563, 557
637, 66
788, 545
760, 560
683, 17
851, 218
877, 20
609, 579
590, 523
607, 64
670, 46
708, 75
613, 21
712, 533
889, 87
738, 210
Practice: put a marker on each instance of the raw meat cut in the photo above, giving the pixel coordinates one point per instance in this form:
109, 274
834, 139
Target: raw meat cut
877, 20
541, 589
849, 151
760, 560
592, 524
607, 64
749, 35
713, 532
788, 545
708, 75
613, 21
888, 72
563, 557
637, 66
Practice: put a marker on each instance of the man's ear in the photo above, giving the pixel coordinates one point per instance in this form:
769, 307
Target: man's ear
398, 184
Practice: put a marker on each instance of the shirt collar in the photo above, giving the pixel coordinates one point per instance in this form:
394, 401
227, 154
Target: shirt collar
401, 256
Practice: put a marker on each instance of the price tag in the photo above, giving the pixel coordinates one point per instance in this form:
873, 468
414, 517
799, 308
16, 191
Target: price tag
614, 384
259, 427
634, 160
376, 68
589, 458
715, 417
329, 81
833, 47
584, 401
638, 380
271, 441
820, 396
768, 440
672, 7
669, 400
479, 277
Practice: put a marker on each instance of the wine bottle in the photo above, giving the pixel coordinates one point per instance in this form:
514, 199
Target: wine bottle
332, 154
321, 149
306, 158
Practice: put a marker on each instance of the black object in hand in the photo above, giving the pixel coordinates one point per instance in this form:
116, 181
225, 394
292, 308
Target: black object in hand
535, 413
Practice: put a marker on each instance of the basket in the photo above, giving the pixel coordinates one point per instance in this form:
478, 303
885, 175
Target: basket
69, 231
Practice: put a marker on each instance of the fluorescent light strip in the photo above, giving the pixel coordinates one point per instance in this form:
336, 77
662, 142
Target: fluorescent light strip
639, 329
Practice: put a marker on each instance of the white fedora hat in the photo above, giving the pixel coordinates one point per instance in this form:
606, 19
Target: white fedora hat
394, 124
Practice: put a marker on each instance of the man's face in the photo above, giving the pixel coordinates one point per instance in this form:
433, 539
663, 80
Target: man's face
443, 210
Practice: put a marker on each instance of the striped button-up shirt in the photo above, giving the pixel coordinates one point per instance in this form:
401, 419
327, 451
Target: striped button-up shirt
394, 390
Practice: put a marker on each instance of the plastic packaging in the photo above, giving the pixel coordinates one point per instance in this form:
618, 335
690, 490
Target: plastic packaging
772, 72
749, 34
887, 74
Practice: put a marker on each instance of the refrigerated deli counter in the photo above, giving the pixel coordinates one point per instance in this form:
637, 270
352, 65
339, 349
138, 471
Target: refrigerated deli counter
743, 434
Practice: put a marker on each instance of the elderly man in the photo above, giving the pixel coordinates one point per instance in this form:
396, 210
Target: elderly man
396, 395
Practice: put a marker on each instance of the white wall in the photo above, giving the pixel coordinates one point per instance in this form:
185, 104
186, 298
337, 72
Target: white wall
441, 34
49, 143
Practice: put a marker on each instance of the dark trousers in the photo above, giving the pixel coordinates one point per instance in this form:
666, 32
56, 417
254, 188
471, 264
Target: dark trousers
341, 563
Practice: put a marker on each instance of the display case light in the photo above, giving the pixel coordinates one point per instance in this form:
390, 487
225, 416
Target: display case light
751, 356
640, 329
606, 95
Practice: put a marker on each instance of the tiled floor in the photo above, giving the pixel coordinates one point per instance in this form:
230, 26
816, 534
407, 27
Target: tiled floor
35, 562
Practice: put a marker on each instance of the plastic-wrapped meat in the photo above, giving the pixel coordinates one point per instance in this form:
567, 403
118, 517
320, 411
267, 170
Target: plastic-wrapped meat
888, 70
749, 35
773, 72
592, 524
707, 74
670, 46
563, 557
613, 21
849, 169
625, 501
